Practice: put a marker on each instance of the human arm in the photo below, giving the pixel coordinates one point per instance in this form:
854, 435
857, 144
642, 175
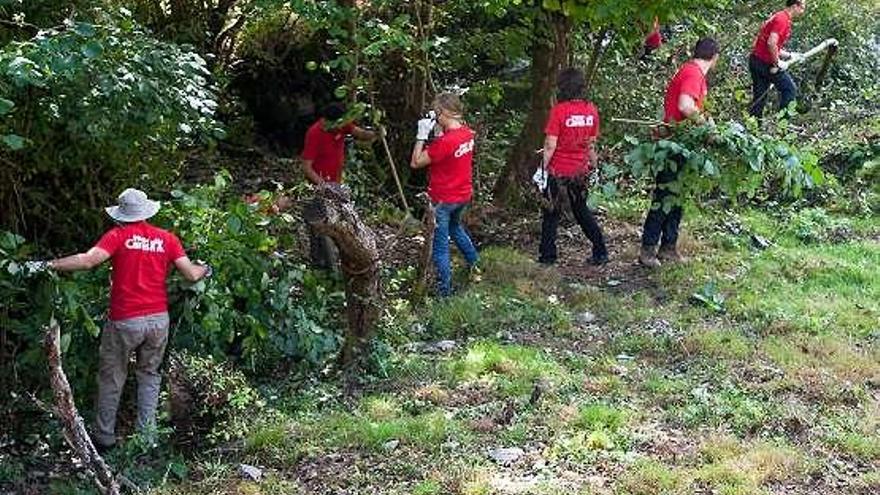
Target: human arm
420, 157
550, 143
362, 134
310, 173
687, 105
80, 261
190, 271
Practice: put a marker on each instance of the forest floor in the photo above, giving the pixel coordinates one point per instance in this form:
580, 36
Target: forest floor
752, 368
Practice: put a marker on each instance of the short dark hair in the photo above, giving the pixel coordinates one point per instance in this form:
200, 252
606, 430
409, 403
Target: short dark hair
706, 48
333, 111
789, 3
571, 84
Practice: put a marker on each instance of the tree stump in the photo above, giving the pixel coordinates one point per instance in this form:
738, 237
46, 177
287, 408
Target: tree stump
332, 213
72, 424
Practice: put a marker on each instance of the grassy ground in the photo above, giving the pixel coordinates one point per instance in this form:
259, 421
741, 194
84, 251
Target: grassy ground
745, 371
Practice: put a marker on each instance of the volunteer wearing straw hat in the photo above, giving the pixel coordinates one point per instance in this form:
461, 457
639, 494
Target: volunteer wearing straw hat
141, 255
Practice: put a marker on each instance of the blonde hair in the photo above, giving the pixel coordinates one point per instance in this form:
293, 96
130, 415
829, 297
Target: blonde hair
449, 102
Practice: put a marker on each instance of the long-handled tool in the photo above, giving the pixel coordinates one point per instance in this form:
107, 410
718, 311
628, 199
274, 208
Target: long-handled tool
829, 43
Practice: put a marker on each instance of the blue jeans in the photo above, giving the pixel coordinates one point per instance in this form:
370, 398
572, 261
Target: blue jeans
761, 81
448, 218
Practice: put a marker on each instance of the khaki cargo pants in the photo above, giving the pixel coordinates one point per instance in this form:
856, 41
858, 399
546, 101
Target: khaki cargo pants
147, 337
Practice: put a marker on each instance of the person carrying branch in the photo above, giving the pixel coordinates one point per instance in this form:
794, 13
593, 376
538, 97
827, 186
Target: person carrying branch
769, 59
323, 160
569, 155
683, 102
141, 255
449, 158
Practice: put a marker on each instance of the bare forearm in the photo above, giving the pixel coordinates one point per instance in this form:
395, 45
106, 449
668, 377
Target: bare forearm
310, 174
72, 263
418, 160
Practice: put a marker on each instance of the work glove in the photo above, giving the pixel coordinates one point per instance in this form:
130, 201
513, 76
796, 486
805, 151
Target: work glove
781, 65
425, 126
34, 267
795, 57
540, 178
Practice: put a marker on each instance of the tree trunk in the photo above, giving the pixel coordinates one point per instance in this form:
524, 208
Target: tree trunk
549, 54
332, 213
595, 56
72, 424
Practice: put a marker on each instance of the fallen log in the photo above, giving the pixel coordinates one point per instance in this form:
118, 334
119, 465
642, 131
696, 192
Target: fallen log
72, 424
332, 213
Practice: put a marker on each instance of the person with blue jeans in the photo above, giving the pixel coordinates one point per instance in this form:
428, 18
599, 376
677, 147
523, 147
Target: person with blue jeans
449, 158
769, 59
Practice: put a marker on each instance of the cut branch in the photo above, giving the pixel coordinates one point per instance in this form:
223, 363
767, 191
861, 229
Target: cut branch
72, 423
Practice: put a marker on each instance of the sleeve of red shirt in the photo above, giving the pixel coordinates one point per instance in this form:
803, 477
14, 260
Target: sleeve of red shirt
175, 248
439, 149
777, 25
553, 124
692, 86
110, 241
310, 147
348, 128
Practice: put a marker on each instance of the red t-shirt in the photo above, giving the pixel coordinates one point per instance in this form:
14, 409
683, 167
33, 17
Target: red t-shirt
450, 175
689, 80
326, 150
141, 255
779, 23
576, 125
654, 39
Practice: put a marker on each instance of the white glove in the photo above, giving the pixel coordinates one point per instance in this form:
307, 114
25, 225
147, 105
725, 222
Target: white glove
795, 57
425, 127
782, 65
32, 267
540, 179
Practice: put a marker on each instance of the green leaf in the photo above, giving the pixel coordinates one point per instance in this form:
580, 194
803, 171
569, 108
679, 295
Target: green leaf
13, 141
233, 223
84, 29
6, 106
92, 49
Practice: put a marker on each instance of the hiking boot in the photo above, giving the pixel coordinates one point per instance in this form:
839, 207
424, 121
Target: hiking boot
671, 254
599, 259
648, 258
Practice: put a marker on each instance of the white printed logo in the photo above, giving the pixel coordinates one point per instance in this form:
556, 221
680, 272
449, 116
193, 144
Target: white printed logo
579, 121
464, 149
141, 243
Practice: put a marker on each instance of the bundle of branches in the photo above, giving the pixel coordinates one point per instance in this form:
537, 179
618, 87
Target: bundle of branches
727, 159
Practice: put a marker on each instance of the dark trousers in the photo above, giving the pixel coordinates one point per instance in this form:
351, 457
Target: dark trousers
761, 81
322, 251
661, 225
575, 189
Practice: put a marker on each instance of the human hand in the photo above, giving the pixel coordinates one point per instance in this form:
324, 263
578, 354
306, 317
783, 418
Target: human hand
34, 267
781, 65
795, 57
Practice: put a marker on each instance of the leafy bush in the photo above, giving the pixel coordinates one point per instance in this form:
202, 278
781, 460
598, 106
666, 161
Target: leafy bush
88, 108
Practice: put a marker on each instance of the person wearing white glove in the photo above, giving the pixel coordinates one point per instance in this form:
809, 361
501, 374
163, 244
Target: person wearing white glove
142, 255
769, 61
450, 182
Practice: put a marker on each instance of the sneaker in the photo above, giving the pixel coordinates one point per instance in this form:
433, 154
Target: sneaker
671, 254
648, 258
547, 261
475, 274
104, 449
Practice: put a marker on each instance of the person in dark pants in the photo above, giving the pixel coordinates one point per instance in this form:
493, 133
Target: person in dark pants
569, 155
769, 60
684, 101
323, 160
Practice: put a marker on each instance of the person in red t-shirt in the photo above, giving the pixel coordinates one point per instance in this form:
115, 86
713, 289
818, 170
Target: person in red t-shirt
683, 102
141, 255
323, 159
569, 155
653, 40
450, 160
769, 59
